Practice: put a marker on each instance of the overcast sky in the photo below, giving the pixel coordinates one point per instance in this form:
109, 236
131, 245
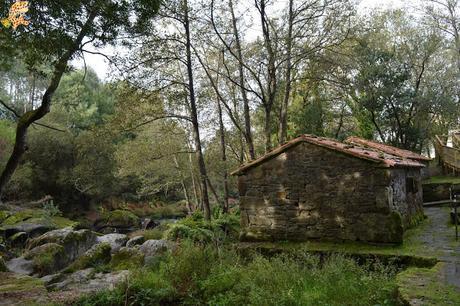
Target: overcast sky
101, 66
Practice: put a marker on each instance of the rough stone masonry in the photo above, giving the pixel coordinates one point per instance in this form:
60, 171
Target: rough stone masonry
308, 190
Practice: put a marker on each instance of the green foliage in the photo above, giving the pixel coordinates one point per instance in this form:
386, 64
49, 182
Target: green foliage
195, 228
51, 210
119, 217
198, 275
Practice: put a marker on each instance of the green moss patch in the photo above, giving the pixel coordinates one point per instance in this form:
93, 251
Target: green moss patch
4, 215
127, 259
10, 282
17, 289
22, 216
422, 286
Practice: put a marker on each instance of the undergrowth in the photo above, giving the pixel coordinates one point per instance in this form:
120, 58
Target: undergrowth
199, 274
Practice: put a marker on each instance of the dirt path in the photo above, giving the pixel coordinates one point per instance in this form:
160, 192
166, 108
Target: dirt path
439, 238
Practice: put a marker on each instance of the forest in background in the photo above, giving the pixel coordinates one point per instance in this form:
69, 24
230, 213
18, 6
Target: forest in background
195, 96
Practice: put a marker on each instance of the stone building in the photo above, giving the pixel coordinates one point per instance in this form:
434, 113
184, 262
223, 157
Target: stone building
318, 188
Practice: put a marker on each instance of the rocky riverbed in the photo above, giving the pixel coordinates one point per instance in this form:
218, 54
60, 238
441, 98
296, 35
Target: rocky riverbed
46, 259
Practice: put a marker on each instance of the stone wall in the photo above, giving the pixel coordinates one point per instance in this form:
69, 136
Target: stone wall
310, 192
407, 200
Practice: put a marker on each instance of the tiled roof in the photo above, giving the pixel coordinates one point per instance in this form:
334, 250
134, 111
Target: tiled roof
385, 159
386, 148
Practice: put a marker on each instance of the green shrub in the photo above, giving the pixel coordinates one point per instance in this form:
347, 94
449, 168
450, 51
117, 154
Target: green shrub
222, 227
51, 210
197, 274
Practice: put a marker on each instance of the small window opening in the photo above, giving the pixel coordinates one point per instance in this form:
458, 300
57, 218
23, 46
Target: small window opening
411, 185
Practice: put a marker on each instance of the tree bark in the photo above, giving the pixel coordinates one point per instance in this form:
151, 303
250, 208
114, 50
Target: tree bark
287, 77
194, 116
184, 186
244, 95
224, 157
20, 145
270, 95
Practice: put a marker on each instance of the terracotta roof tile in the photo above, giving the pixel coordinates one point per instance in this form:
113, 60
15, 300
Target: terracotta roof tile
387, 160
386, 148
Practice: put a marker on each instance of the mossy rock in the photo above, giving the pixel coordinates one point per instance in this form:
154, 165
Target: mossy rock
18, 240
21, 216
126, 259
47, 258
75, 243
4, 214
118, 219
98, 255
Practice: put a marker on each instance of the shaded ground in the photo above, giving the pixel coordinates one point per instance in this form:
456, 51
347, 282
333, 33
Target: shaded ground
439, 238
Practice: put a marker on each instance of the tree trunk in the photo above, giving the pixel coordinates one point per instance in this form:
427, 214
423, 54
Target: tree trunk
268, 129
246, 110
287, 89
20, 145
270, 95
194, 117
192, 175
224, 157
184, 186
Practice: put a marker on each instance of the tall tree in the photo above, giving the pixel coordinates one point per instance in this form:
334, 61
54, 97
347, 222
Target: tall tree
59, 32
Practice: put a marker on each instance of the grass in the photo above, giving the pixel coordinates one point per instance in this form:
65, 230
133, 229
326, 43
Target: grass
421, 284
442, 180
205, 275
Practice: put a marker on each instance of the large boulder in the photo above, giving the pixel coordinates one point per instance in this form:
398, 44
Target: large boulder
68, 288
136, 240
152, 248
20, 265
127, 259
31, 229
75, 243
120, 221
97, 255
47, 258
116, 241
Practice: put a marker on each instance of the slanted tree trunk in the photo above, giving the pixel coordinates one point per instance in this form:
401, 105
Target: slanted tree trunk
20, 144
194, 116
